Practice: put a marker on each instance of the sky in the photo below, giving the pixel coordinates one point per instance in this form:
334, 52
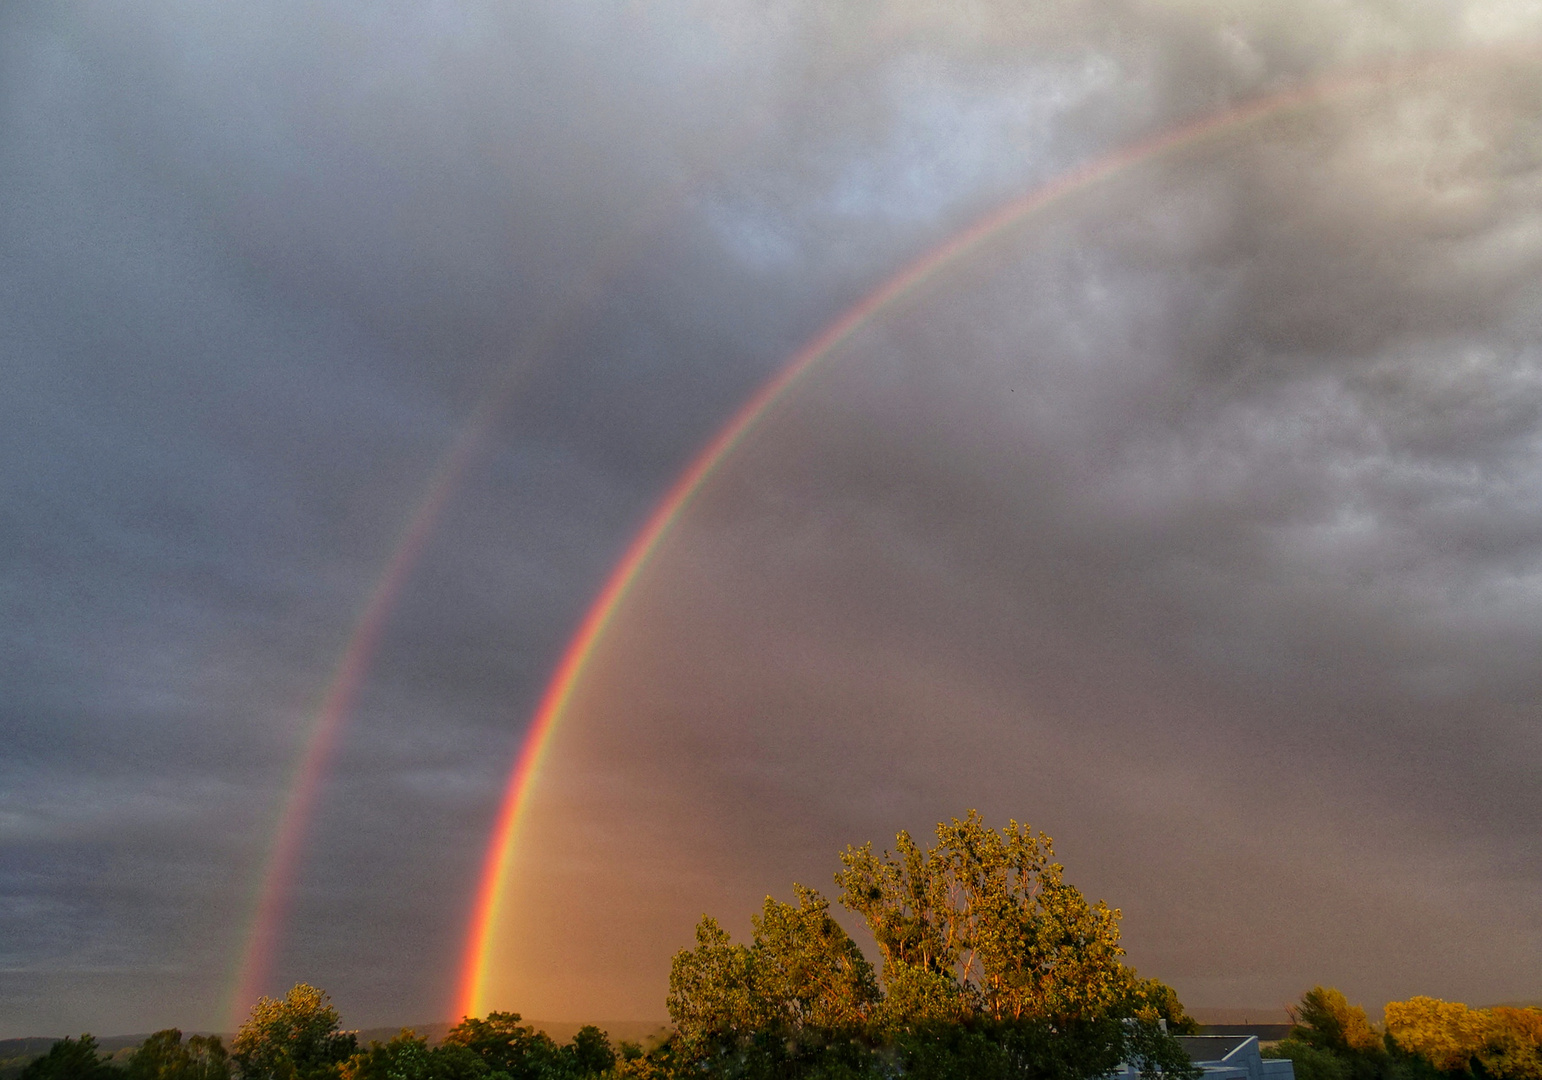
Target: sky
1195, 518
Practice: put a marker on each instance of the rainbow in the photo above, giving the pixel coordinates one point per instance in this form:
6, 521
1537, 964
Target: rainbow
490, 900
280, 870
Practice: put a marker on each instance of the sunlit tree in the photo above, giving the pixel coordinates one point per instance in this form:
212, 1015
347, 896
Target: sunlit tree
1152, 999
992, 966
1331, 1039
801, 972
990, 916
296, 1037
1500, 1042
1324, 1018
713, 992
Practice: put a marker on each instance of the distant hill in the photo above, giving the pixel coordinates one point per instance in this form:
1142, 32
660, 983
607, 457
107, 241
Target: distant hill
1266, 1033
10, 1048
16, 1053
1252, 1014
646, 1032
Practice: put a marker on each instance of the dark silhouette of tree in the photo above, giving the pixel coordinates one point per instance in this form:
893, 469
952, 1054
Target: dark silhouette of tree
164, 1056
589, 1054
70, 1059
505, 1045
408, 1057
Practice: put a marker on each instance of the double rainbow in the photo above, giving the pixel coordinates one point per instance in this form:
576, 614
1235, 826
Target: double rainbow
280, 870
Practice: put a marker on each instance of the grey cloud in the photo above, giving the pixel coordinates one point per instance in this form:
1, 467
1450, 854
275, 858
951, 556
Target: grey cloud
1194, 523
1193, 444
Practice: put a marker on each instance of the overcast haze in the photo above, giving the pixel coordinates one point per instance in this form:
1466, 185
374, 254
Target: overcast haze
1194, 520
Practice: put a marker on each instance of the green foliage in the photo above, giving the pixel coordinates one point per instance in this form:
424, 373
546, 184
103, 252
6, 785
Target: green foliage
589, 1054
70, 1059
917, 997
164, 1056
1425, 1039
1152, 999
1308, 1062
712, 990
505, 1049
506, 1046
801, 974
991, 912
993, 966
293, 1038
1037, 1049
661, 1062
407, 1057
1326, 1020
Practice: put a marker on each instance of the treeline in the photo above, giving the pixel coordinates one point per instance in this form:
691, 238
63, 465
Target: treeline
991, 967
300, 1037
1423, 1039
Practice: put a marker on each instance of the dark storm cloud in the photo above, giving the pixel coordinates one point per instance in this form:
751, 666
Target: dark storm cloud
260, 266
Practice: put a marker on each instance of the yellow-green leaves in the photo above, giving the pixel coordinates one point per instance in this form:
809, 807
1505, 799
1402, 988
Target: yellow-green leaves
990, 913
1503, 1041
291, 1038
800, 972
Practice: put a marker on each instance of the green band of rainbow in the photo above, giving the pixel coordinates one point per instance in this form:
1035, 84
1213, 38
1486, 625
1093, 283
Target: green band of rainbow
280, 870
490, 900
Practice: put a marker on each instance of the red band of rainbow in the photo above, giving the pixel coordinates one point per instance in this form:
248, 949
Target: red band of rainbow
490, 899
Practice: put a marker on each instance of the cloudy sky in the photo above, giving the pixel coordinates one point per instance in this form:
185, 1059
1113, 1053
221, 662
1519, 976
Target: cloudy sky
1195, 519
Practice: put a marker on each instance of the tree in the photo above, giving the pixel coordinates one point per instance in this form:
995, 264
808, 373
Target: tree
297, 1037
802, 973
1308, 1062
1454, 1039
1152, 999
408, 1057
1330, 1039
1324, 1018
712, 988
164, 1056
589, 1054
1515, 1043
405, 1057
993, 966
505, 1045
1447, 1034
70, 1059
984, 923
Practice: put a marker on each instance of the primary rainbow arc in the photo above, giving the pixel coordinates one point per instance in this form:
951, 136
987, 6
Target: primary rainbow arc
491, 895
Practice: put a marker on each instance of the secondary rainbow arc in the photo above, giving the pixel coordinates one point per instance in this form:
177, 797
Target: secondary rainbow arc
280, 870
304, 790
